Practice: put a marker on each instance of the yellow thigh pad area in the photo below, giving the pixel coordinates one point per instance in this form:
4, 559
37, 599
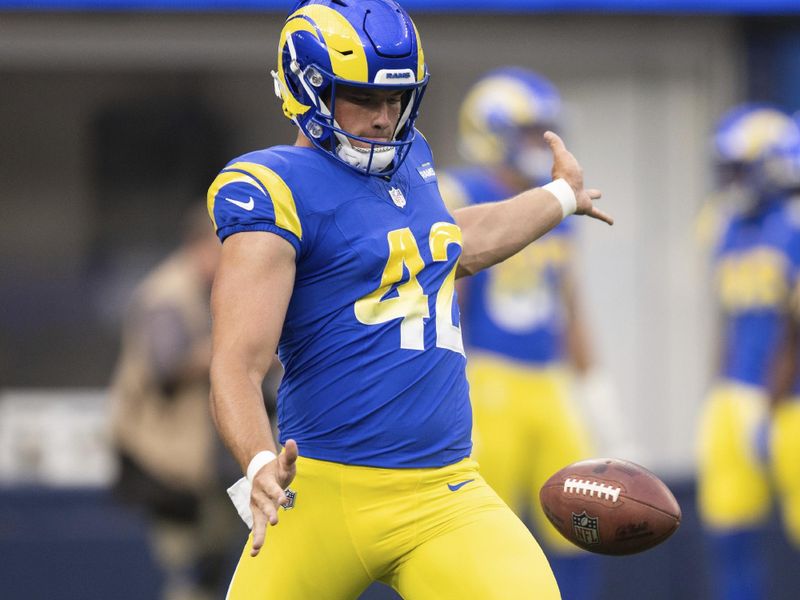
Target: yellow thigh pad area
430, 533
525, 429
785, 455
733, 485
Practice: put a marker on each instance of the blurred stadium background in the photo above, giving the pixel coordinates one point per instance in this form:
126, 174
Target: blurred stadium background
116, 114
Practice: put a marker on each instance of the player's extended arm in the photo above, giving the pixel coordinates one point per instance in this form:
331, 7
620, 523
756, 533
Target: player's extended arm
251, 293
577, 331
784, 370
494, 231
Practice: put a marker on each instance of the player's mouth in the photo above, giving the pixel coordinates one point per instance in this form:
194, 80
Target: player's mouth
359, 145
368, 150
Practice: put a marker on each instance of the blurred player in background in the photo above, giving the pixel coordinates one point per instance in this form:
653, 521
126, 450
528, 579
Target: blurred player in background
754, 258
162, 428
523, 327
340, 251
783, 439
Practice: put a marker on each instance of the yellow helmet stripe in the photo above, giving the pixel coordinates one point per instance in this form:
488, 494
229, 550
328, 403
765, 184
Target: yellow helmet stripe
420, 55
514, 97
282, 199
761, 130
291, 106
221, 181
347, 56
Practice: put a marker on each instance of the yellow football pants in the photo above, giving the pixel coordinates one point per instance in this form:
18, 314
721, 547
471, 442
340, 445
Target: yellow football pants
785, 454
733, 484
429, 533
525, 429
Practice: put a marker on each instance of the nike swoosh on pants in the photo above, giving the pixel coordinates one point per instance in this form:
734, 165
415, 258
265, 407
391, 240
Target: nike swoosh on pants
457, 486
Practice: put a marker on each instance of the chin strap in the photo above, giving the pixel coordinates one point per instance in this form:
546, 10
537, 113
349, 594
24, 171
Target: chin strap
380, 156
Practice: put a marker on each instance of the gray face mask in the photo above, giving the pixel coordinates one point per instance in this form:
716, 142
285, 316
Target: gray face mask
739, 197
534, 163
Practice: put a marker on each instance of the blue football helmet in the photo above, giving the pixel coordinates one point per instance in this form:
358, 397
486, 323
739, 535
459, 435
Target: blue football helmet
362, 43
502, 120
744, 137
779, 169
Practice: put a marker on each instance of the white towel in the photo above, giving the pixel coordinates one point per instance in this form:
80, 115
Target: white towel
239, 493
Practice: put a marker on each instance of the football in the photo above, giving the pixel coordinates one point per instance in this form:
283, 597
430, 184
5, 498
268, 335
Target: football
610, 506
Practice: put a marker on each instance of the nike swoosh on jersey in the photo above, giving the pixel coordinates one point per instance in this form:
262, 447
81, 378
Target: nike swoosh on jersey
457, 486
245, 205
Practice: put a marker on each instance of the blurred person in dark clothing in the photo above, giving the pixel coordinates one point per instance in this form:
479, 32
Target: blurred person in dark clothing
162, 429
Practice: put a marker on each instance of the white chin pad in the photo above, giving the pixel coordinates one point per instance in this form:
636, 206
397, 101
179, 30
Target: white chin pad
382, 156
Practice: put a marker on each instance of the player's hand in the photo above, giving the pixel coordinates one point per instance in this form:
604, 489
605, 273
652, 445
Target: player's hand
566, 166
268, 492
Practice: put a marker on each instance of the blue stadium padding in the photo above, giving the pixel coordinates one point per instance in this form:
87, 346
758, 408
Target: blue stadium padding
738, 565
72, 544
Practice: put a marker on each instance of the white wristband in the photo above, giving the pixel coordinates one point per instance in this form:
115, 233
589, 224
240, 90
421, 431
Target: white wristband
565, 196
258, 462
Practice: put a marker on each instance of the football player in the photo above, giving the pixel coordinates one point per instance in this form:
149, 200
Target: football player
339, 251
741, 136
524, 331
783, 439
754, 260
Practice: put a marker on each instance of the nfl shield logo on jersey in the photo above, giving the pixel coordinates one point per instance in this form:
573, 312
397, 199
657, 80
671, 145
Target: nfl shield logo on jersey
397, 197
585, 528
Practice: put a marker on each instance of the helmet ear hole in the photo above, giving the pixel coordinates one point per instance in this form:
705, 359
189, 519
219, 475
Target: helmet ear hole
290, 77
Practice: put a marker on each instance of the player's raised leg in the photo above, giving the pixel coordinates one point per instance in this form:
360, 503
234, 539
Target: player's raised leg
482, 550
458, 564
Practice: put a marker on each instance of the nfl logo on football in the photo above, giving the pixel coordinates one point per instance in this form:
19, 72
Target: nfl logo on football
585, 527
397, 197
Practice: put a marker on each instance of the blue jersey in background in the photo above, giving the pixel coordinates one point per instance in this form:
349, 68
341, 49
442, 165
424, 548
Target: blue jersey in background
514, 309
371, 344
755, 264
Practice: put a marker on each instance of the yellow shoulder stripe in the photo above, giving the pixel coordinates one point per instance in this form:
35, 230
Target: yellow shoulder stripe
221, 181
282, 199
265, 180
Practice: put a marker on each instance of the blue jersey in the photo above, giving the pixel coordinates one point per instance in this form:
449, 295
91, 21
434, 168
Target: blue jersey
513, 309
371, 343
755, 262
